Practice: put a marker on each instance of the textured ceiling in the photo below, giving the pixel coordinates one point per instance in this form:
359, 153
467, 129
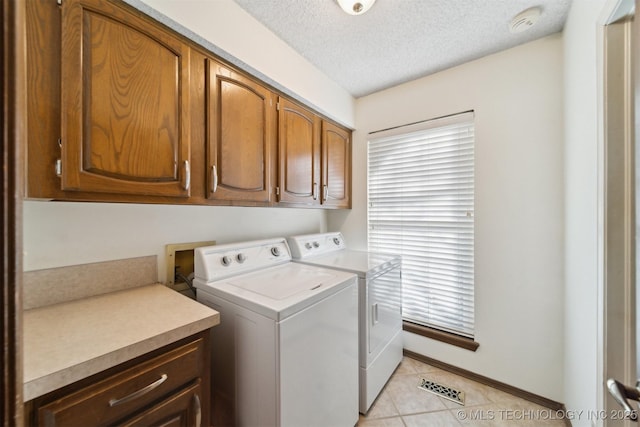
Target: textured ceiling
399, 40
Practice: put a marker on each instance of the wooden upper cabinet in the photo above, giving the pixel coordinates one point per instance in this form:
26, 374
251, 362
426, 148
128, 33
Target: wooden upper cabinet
124, 109
336, 166
299, 154
241, 136
125, 103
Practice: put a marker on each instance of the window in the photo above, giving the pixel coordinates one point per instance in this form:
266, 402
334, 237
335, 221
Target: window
421, 200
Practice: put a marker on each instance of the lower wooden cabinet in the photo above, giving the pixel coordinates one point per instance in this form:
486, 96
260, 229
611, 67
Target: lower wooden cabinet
168, 387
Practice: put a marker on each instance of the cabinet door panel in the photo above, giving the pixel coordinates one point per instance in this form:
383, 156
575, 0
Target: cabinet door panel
336, 166
124, 103
241, 126
183, 409
299, 154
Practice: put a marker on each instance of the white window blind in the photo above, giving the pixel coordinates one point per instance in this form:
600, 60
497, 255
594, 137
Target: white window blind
421, 199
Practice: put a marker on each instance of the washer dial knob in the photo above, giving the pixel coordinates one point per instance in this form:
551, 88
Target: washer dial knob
241, 257
316, 244
336, 240
226, 261
308, 245
275, 251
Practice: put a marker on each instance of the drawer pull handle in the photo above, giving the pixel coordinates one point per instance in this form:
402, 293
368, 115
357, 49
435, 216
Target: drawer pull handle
141, 392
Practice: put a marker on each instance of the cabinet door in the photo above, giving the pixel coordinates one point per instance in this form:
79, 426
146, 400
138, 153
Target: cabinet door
241, 127
299, 156
125, 103
183, 409
336, 166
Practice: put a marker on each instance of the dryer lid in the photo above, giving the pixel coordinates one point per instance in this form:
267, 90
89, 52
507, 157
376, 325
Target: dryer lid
363, 263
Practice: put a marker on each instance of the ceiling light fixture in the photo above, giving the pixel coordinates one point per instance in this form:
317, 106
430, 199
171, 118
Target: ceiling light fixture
525, 20
356, 7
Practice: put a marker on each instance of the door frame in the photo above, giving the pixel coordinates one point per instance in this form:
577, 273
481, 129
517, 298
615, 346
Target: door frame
13, 133
616, 202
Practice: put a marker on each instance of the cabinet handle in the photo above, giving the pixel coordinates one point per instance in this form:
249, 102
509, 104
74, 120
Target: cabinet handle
325, 190
187, 175
198, 410
141, 392
214, 178
315, 191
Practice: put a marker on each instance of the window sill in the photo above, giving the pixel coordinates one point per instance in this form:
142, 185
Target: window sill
446, 337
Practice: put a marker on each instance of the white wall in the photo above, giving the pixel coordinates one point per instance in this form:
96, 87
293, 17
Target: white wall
59, 234
582, 385
517, 96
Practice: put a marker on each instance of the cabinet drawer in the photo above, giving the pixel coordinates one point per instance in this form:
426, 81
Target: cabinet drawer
126, 392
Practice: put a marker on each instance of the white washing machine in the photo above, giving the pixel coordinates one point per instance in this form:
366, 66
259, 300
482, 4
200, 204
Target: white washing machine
380, 304
285, 352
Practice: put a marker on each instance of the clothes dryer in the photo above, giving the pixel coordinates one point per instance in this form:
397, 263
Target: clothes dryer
379, 301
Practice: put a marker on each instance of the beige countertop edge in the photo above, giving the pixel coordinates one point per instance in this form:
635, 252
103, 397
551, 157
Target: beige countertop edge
144, 341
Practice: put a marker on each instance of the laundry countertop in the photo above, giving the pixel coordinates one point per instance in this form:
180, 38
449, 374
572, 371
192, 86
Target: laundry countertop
66, 342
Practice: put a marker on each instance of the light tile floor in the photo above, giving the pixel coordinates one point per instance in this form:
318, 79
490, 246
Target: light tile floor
402, 404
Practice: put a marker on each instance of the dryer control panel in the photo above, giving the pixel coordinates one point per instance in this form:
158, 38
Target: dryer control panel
309, 245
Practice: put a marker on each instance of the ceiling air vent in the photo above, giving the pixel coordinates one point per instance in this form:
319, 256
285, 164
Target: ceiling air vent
525, 20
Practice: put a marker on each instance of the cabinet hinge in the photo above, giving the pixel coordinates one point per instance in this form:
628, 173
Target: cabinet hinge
277, 191
59, 2
277, 106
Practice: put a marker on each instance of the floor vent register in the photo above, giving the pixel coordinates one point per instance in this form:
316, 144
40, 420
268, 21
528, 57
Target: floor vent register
448, 393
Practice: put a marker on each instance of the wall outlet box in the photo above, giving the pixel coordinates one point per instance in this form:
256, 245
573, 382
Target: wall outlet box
180, 259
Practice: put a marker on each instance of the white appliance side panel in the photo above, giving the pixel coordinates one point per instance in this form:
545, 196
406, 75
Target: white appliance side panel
384, 311
244, 367
319, 363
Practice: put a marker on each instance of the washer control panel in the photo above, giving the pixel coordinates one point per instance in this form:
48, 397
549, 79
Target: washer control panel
218, 262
